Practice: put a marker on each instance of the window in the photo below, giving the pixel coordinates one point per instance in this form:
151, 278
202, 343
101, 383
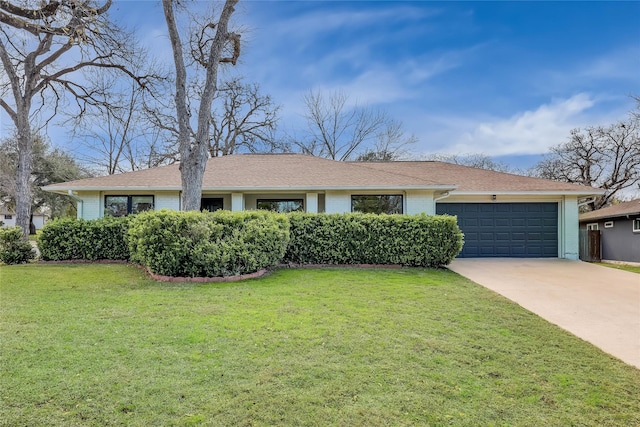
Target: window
125, 205
636, 225
281, 205
8, 217
608, 224
384, 203
593, 226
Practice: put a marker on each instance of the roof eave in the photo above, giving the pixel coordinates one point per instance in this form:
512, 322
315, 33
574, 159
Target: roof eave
595, 192
65, 190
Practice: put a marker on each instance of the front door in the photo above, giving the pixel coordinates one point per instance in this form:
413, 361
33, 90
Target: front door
211, 204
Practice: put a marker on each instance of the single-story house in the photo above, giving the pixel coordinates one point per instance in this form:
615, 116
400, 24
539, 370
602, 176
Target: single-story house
501, 215
619, 227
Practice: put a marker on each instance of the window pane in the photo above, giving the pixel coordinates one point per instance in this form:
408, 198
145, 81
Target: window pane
291, 205
115, 205
385, 203
141, 204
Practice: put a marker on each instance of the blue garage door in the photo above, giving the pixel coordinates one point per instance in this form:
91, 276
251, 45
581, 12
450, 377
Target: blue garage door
516, 230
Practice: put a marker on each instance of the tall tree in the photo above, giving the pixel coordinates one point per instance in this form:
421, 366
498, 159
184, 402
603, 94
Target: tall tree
208, 50
390, 144
42, 49
601, 156
50, 166
242, 120
335, 129
115, 136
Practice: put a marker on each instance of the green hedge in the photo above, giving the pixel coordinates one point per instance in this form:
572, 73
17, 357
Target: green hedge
203, 244
13, 248
411, 240
73, 239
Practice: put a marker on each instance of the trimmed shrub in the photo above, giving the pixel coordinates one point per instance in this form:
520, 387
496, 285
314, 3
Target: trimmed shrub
13, 248
411, 240
75, 239
204, 244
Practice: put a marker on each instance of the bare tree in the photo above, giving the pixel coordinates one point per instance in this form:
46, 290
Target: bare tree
390, 144
480, 161
335, 129
42, 49
115, 135
208, 49
242, 120
601, 156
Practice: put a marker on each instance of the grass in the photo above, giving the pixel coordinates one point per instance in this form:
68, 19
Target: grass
97, 345
625, 267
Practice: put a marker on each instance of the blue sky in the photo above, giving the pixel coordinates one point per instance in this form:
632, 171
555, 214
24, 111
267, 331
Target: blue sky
505, 79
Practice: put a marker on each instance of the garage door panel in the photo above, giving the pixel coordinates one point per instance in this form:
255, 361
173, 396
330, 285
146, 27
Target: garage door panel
506, 229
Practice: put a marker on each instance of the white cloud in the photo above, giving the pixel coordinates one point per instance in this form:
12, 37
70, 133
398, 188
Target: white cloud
528, 132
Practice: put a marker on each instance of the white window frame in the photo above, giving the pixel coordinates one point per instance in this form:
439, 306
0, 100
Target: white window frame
635, 224
593, 226
608, 224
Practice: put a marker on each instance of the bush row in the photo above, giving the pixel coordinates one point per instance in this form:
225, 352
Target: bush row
417, 240
223, 243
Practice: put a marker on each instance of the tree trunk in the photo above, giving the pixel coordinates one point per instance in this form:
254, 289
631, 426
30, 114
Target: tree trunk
23, 175
193, 154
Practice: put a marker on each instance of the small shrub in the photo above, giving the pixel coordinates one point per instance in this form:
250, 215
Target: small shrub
411, 240
203, 244
13, 248
75, 239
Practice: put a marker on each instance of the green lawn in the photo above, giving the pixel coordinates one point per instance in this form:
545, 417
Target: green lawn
631, 268
103, 345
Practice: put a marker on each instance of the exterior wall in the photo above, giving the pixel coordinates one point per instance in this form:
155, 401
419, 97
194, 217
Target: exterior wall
38, 221
167, 200
311, 204
416, 202
618, 243
92, 206
8, 222
337, 202
569, 230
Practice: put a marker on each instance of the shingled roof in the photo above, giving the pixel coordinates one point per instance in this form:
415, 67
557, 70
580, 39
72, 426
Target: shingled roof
247, 172
631, 208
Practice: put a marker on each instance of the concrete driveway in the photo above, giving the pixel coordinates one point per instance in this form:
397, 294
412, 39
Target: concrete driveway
598, 304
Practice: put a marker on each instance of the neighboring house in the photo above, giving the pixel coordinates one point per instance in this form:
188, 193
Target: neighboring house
501, 215
619, 227
8, 219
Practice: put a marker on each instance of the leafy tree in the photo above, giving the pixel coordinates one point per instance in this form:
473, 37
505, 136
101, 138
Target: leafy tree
607, 157
50, 166
211, 45
43, 47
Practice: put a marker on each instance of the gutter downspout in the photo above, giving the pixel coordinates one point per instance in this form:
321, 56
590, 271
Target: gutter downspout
80, 203
442, 196
437, 199
587, 201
